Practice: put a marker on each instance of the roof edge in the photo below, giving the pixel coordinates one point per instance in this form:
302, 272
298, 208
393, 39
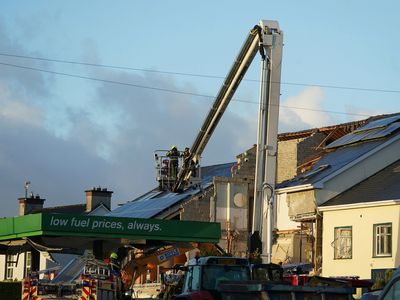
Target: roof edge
359, 205
296, 188
321, 182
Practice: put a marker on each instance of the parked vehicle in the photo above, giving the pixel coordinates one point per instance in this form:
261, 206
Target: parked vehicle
82, 279
234, 278
391, 291
276, 291
205, 274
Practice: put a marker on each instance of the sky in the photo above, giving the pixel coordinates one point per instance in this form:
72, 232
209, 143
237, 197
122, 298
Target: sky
142, 76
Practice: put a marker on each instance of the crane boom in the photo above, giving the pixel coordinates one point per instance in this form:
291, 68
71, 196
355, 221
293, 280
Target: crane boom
224, 96
227, 90
267, 38
267, 139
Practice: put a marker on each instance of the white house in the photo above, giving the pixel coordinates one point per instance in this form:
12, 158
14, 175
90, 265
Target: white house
345, 163
19, 258
361, 227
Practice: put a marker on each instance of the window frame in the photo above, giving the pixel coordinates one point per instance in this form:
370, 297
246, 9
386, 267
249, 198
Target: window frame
375, 240
28, 263
337, 240
10, 266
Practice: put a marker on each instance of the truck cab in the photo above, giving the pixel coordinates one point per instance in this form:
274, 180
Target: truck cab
205, 274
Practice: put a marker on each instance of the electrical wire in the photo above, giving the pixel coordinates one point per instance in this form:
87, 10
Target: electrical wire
164, 89
112, 81
112, 66
195, 75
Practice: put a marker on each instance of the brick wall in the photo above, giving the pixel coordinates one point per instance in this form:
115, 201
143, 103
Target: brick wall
307, 147
246, 164
287, 160
198, 208
294, 153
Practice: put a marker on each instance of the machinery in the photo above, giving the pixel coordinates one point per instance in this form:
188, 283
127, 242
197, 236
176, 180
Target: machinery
83, 278
205, 274
212, 277
167, 169
178, 170
267, 39
234, 278
141, 275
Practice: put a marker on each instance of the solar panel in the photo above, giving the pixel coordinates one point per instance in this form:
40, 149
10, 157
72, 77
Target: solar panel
373, 130
384, 131
378, 124
149, 207
348, 139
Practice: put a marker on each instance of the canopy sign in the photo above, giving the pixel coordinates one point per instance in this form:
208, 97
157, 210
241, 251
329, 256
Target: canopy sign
108, 227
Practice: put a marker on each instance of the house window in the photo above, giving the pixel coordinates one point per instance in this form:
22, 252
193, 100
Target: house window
28, 262
343, 242
10, 262
382, 240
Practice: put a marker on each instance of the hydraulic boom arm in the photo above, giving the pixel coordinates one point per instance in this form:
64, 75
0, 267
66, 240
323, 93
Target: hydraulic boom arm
268, 39
225, 94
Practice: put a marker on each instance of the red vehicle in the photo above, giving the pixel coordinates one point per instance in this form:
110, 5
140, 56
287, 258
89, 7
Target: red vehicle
84, 278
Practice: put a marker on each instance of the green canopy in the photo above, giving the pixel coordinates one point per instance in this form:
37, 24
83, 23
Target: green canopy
56, 231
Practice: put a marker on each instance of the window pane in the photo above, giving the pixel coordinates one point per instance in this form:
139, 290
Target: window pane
383, 240
343, 242
28, 262
195, 279
10, 259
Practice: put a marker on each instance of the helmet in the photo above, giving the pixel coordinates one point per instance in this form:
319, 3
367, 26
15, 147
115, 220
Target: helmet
114, 255
173, 147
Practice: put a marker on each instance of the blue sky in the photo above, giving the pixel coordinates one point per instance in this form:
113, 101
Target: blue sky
68, 134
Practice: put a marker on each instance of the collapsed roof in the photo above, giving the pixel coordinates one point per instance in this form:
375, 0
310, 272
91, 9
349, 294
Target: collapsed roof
336, 155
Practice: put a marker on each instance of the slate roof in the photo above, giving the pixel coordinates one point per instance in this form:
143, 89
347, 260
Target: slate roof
384, 185
65, 209
330, 163
334, 158
154, 202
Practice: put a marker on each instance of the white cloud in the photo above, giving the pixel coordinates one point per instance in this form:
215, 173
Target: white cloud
18, 112
304, 110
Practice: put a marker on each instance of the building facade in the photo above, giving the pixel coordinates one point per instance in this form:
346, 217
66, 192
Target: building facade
361, 227
17, 261
345, 163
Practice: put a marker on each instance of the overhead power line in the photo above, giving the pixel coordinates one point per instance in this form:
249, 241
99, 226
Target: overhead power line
163, 89
113, 66
196, 75
111, 81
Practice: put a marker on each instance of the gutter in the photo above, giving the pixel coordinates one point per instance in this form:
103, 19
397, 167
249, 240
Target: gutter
359, 205
297, 188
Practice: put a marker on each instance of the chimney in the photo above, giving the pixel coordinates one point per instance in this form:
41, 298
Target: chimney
97, 196
29, 204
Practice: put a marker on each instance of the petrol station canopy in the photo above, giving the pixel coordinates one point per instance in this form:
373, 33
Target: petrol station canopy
70, 233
